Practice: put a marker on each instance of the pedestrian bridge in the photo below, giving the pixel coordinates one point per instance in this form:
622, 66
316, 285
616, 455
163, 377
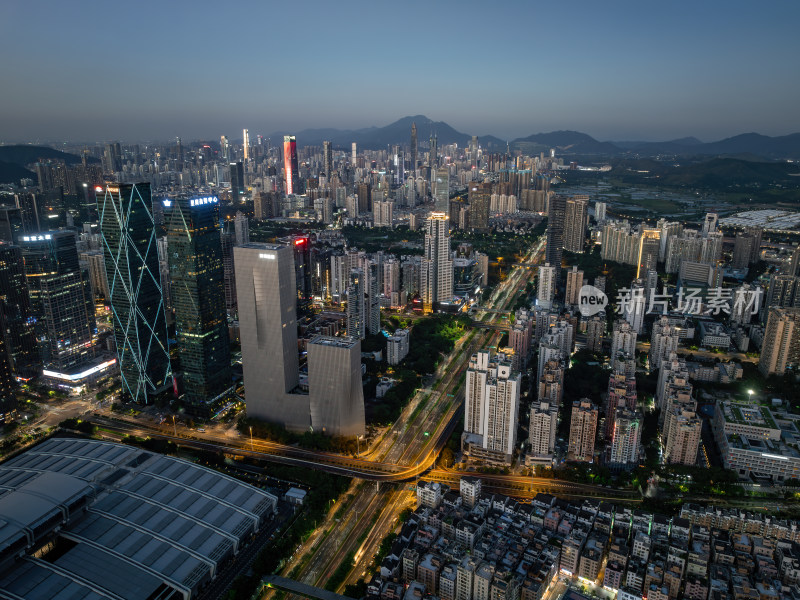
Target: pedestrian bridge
296, 587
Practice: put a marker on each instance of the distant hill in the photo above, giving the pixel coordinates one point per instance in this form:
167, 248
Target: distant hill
564, 142
12, 173
399, 132
25, 155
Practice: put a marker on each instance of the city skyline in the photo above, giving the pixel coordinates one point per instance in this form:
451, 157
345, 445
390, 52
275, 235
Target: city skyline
609, 73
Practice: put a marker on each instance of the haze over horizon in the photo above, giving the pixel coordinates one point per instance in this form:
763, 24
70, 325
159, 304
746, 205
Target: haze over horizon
636, 71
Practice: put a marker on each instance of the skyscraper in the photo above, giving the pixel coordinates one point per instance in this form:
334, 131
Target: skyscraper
137, 306
198, 297
542, 434
434, 158
546, 286
241, 228
479, 197
491, 408
372, 302
356, 305
413, 146
266, 291
237, 182
441, 190
663, 342
626, 438
623, 341
574, 284
61, 300
780, 349
16, 322
575, 220
582, 429
649, 247
227, 241
436, 279
246, 143
327, 159
555, 233
265, 279
290, 165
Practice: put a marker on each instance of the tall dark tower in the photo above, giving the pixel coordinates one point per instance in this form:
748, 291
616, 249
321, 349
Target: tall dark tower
61, 300
290, 165
198, 297
137, 304
15, 314
556, 217
413, 146
327, 159
237, 181
434, 161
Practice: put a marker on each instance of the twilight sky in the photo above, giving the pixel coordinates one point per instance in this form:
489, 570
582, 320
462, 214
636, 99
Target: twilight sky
621, 70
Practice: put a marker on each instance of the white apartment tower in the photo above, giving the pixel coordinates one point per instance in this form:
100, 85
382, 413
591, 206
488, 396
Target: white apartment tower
436, 278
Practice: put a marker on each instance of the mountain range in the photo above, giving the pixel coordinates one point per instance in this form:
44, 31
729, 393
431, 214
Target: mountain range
566, 143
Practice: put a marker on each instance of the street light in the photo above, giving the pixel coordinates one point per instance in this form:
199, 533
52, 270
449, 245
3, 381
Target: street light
251, 437
174, 425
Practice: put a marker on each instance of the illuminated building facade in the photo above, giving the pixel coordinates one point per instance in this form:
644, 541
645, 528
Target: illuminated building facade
137, 305
198, 297
290, 165
61, 300
16, 320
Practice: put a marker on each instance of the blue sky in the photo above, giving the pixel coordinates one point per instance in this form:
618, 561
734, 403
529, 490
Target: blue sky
616, 70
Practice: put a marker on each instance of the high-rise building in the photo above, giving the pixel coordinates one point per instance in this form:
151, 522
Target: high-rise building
780, 348
434, 154
574, 284
441, 189
224, 147
436, 278
227, 238
8, 400
575, 220
623, 341
636, 306
710, 223
600, 211
621, 394
237, 182
491, 408
551, 382
582, 430
542, 431
290, 166
546, 286
372, 302
479, 197
241, 228
783, 291
137, 305
383, 213
61, 300
335, 389
353, 154
265, 279
649, 247
595, 331
356, 305
16, 324
747, 247
555, 232
663, 342
197, 275
683, 438
519, 337
327, 159
413, 146
246, 143
267, 294
626, 438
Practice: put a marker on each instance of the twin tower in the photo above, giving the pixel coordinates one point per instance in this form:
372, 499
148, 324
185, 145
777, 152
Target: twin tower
267, 297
